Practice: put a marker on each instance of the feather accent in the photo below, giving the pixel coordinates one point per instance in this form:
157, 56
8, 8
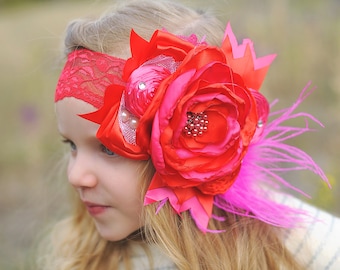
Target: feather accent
253, 193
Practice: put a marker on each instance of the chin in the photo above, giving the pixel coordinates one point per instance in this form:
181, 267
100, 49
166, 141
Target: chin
112, 236
115, 235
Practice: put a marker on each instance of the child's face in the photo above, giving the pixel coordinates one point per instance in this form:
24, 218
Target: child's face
108, 184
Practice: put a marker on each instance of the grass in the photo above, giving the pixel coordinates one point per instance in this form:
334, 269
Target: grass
303, 33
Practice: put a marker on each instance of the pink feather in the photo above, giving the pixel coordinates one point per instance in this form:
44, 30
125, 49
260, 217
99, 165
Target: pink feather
253, 193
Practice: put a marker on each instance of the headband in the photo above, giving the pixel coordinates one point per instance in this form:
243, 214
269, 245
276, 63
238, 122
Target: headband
197, 112
87, 74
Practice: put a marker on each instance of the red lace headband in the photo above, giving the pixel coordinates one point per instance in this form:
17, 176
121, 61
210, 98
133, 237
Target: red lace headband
196, 111
87, 74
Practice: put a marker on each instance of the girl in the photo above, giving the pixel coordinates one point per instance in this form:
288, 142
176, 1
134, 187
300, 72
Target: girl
171, 156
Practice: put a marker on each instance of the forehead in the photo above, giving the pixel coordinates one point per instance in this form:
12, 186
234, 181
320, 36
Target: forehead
68, 111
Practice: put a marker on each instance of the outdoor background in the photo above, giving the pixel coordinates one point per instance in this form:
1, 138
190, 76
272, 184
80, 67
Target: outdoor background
305, 35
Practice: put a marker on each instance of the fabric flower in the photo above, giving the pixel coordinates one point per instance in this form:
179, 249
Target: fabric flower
231, 113
207, 163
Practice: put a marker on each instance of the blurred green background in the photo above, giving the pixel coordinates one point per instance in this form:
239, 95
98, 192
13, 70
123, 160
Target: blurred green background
304, 34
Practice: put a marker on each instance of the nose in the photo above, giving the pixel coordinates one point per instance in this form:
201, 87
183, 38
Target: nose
81, 173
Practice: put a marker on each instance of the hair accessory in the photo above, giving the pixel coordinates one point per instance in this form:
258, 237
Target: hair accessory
87, 74
196, 111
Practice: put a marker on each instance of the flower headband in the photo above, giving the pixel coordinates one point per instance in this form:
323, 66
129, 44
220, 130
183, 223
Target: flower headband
196, 111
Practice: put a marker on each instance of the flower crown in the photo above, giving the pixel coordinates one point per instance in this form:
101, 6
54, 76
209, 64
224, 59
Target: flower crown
196, 111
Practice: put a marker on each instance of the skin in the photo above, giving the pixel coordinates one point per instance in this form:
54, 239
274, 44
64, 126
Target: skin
107, 184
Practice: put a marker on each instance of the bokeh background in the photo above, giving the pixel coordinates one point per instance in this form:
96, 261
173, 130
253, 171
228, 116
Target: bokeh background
305, 34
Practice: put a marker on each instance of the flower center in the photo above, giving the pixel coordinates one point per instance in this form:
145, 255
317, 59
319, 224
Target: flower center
197, 124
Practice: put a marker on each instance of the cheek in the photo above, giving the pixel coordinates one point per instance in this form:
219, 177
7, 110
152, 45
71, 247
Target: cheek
130, 202
69, 165
130, 188
124, 181
70, 168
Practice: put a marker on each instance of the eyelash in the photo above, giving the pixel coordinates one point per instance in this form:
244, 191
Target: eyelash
71, 144
103, 148
107, 151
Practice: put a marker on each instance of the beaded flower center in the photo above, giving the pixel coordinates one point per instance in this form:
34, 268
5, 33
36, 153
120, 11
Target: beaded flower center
196, 125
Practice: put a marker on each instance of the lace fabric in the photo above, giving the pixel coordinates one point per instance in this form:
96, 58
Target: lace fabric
87, 74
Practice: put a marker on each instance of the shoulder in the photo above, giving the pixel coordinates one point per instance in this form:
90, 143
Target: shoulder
317, 241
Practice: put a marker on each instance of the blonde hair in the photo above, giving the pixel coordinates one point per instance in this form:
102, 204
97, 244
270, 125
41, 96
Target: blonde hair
75, 243
110, 33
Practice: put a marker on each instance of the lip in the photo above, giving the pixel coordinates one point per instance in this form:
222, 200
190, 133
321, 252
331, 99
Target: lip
95, 209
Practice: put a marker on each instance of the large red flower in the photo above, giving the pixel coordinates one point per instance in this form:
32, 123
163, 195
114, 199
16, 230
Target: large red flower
202, 129
212, 100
